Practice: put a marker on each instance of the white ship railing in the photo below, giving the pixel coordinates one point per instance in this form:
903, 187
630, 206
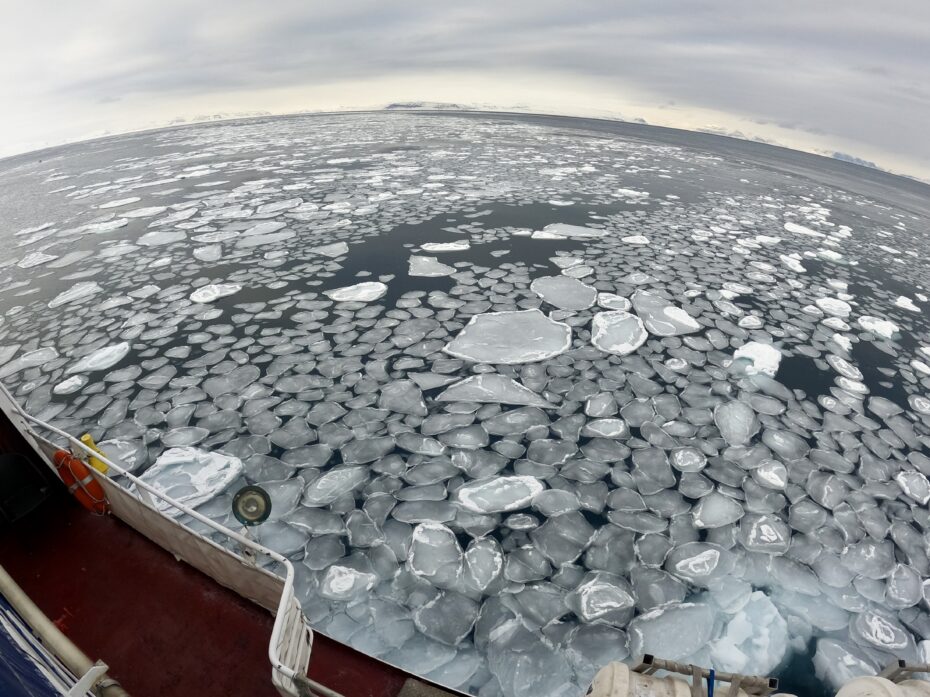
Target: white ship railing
291, 637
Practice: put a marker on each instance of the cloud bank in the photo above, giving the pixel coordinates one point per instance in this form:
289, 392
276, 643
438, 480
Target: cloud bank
835, 75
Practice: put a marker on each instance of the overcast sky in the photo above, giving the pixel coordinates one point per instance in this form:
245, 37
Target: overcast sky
820, 75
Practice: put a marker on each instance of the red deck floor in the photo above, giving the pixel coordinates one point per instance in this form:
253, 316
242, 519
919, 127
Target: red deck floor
162, 627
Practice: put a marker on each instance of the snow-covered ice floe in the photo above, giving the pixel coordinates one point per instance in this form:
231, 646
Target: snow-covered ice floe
191, 476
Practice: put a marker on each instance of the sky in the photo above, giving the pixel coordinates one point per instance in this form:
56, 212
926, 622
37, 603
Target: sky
826, 76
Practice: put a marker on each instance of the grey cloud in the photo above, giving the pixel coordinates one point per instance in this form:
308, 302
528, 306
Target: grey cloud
850, 70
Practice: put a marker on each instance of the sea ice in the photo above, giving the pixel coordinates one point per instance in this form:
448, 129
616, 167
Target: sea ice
215, 291
428, 267
28, 360
611, 301
758, 358
210, 252
660, 632
344, 582
661, 317
146, 212
484, 562
457, 246
129, 455
886, 329
564, 293
834, 306
185, 435
248, 242
564, 230
35, 259
716, 510
754, 641
802, 230
602, 597
191, 476
736, 421
523, 336
70, 385
435, 555
498, 495
764, 533
688, 459
700, 563
119, 202
336, 249
906, 303
76, 293
879, 629
447, 618
618, 332
360, 292
101, 359
162, 237
837, 662
332, 484
403, 396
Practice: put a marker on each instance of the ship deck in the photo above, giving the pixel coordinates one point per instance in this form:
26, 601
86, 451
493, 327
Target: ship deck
163, 627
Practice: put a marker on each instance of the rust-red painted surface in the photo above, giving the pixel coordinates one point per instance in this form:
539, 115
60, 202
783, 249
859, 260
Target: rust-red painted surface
164, 628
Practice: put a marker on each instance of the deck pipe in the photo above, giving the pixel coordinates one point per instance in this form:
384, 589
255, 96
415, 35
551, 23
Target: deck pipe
61, 646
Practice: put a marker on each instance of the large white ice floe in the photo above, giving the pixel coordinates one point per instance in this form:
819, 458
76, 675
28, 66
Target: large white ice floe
119, 202
618, 332
70, 385
191, 476
214, 291
360, 292
158, 238
834, 306
35, 259
436, 247
884, 328
336, 249
523, 336
428, 267
498, 494
661, 317
492, 388
798, 229
756, 357
565, 231
76, 293
101, 359
209, 253
564, 292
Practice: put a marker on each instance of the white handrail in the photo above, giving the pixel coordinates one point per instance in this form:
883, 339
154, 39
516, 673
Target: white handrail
287, 595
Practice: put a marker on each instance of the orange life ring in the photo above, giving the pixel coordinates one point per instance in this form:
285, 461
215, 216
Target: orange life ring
80, 482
